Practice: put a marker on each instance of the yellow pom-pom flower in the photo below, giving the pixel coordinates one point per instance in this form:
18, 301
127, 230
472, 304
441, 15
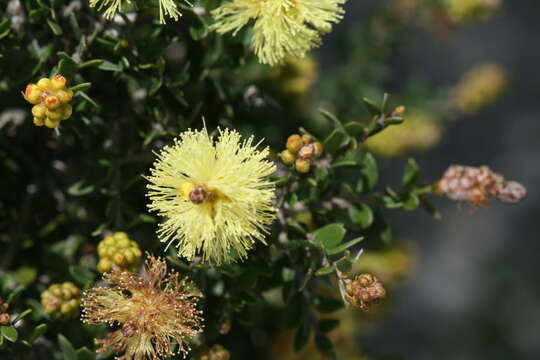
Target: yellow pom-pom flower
215, 195
167, 8
281, 27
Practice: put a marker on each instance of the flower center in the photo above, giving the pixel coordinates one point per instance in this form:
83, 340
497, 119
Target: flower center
199, 194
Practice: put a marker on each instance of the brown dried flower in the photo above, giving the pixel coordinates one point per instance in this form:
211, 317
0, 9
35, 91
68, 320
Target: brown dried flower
154, 311
364, 291
477, 185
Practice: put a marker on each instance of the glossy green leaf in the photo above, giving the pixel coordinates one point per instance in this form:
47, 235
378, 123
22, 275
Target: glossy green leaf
361, 215
9, 333
330, 235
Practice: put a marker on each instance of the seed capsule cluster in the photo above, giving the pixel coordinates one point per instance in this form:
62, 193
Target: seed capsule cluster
300, 151
4, 316
61, 301
51, 99
118, 251
365, 291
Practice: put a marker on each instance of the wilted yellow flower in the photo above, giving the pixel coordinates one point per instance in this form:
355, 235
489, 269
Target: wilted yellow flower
281, 27
479, 87
214, 195
166, 8
154, 312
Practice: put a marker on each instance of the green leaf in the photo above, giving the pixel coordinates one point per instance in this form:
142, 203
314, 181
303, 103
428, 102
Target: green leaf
37, 332
325, 270
109, 66
82, 275
355, 128
91, 63
287, 274
327, 325
411, 201
21, 316
330, 235
334, 141
324, 344
56, 29
430, 209
410, 176
327, 304
68, 351
344, 264
78, 189
9, 332
343, 247
371, 107
80, 87
302, 336
85, 354
87, 98
368, 175
293, 313
361, 215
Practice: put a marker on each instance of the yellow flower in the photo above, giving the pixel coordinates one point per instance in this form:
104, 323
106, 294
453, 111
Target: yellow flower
166, 8
154, 312
281, 27
214, 195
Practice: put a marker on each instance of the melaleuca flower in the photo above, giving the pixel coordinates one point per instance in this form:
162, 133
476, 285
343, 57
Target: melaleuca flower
153, 311
281, 27
214, 195
477, 185
166, 8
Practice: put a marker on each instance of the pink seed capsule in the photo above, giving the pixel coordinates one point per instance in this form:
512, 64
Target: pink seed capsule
512, 192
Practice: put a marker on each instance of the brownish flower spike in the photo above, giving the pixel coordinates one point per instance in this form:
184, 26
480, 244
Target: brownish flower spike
154, 311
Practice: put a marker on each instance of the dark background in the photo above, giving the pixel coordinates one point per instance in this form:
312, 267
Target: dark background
475, 291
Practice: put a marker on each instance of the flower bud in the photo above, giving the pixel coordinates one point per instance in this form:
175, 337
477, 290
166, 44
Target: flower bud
66, 110
400, 110
287, 157
306, 152
512, 192
307, 139
4, 319
294, 143
318, 147
39, 111
52, 102
302, 166
58, 82
54, 115
32, 94
64, 96
44, 84
51, 123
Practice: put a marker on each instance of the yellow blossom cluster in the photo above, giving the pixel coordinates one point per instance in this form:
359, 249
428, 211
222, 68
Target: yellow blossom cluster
118, 250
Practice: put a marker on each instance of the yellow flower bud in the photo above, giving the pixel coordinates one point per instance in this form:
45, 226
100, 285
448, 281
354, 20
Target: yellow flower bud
104, 265
294, 143
52, 102
318, 148
44, 84
307, 139
302, 166
58, 82
38, 121
51, 123
63, 96
287, 157
39, 111
32, 94
54, 115
119, 259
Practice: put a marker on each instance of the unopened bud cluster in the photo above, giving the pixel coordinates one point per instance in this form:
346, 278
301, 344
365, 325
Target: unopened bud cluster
480, 87
51, 99
4, 316
118, 251
216, 352
477, 185
301, 151
365, 291
460, 11
61, 301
